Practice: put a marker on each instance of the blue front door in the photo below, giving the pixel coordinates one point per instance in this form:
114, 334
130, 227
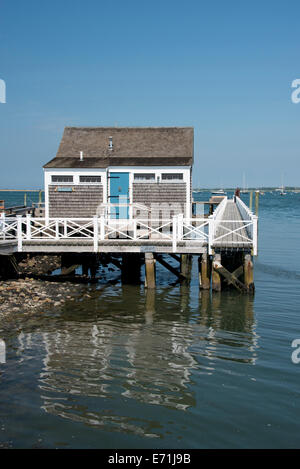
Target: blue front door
119, 194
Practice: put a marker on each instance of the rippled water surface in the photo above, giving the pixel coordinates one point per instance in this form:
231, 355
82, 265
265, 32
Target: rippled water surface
172, 368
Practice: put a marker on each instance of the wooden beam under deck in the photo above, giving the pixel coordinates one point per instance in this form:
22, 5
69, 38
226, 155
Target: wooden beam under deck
112, 246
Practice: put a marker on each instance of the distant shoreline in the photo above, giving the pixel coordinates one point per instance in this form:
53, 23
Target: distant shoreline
203, 189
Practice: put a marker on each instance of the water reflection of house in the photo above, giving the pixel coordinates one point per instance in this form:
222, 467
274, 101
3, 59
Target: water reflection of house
89, 372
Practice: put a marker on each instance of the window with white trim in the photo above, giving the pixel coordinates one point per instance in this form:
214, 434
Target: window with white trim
63, 179
144, 176
172, 177
90, 179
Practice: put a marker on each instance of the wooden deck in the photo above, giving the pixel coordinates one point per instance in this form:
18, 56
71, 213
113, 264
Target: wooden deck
231, 226
232, 230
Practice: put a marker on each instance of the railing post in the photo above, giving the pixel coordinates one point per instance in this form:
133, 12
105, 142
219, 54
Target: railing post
211, 228
254, 240
19, 233
134, 229
174, 234
65, 228
28, 226
180, 226
56, 230
102, 228
95, 222
2, 223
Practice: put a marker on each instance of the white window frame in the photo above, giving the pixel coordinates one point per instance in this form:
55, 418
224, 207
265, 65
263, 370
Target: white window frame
95, 183
56, 183
138, 181
172, 180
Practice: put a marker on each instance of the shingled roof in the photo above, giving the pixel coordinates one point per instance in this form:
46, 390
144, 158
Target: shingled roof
132, 146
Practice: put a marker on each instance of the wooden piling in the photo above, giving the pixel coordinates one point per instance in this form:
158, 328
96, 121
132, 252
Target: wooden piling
251, 200
186, 266
248, 273
204, 271
256, 203
215, 276
149, 270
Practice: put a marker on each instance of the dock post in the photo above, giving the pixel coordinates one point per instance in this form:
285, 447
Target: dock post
256, 203
215, 276
204, 268
186, 265
251, 201
248, 273
149, 270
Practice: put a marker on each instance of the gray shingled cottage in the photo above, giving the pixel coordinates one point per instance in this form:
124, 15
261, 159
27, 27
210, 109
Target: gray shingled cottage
120, 172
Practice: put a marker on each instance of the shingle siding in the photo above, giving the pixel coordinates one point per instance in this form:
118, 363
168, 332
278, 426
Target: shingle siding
81, 202
173, 194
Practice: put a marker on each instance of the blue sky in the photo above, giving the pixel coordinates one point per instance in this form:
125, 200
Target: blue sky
225, 68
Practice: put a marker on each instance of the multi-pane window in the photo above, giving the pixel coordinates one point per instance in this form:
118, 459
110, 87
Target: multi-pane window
172, 176
144, 177
62, 179
90, 179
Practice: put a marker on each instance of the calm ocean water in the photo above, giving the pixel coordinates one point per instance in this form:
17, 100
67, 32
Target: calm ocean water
12, 199
174, 368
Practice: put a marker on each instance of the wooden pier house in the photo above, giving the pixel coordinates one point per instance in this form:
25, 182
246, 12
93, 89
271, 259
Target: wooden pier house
120, 172
124, 196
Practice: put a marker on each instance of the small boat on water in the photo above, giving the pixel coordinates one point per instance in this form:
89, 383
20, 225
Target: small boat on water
281, 190
218, 192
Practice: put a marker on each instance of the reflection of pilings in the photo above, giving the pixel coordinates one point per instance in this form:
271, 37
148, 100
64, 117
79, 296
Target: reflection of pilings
184, 296
204, 271
150, 305
227, 311
186, 266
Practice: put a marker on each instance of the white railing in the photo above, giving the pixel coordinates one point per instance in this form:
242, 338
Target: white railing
201, 231
231, 233
214, 220
246, 214
238, 232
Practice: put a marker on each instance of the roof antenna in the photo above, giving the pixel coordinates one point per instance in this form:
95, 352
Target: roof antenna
110, 146
81, 156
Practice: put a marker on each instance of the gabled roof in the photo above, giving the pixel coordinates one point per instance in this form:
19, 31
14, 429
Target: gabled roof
131, 146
